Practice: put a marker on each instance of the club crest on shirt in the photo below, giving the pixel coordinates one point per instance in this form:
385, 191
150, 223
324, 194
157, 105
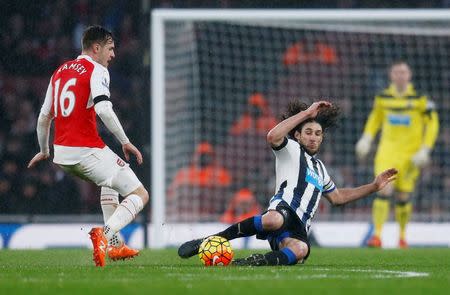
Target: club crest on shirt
120, 162
313, 178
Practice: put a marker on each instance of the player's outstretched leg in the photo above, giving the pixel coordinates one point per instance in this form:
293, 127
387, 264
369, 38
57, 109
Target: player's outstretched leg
99, 243
248, 227
252, 260
283, 257
189, 248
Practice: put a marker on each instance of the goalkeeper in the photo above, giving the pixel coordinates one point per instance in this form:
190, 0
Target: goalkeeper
409, 125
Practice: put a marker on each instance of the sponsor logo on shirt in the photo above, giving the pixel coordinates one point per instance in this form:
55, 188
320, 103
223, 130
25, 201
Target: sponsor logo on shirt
313, 178
399, 120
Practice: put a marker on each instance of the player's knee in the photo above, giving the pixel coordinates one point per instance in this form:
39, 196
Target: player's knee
402, 197
272, 221
142, 193
299, 248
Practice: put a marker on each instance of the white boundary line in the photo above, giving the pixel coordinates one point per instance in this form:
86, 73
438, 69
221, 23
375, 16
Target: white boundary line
322, 273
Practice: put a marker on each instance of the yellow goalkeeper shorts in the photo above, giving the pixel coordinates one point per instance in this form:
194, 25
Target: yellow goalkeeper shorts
407, 171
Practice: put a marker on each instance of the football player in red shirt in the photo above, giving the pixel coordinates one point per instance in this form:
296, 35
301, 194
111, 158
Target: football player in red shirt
77, 92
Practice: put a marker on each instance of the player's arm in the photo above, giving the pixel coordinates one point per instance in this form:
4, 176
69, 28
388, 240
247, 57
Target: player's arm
371, 128
104, 109
346, 195
43, 128
431, 129
277, 134
431, 121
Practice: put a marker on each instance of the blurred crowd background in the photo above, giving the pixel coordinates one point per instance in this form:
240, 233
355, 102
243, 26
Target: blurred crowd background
37, 36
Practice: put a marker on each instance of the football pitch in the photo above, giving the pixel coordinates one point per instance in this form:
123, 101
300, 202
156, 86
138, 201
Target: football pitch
327, 271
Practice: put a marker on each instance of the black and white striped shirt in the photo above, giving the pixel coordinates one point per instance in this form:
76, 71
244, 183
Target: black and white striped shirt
301, 179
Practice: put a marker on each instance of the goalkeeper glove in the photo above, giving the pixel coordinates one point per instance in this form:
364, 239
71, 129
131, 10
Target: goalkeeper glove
362, 147
422, 157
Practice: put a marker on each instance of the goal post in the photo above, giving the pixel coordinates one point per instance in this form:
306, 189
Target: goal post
209, 66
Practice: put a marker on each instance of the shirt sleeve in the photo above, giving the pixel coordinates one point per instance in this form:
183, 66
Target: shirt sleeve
109, 118
44, 120
287, 152
281, 146
374, 120
328, 184
100, 82
46, 108
432, 125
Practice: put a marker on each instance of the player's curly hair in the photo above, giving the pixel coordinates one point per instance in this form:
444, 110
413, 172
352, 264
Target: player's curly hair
327, 118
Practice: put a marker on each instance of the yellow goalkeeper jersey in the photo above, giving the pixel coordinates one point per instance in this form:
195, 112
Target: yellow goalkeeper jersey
407, 122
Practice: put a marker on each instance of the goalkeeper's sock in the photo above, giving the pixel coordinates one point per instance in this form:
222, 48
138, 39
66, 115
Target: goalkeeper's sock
124, 214
248, 227
380, 214
403, 211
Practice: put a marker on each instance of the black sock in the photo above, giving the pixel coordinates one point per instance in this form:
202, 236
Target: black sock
283, 257
248, 227
402, 203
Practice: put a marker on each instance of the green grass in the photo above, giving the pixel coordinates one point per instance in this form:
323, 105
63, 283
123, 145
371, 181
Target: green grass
328, 271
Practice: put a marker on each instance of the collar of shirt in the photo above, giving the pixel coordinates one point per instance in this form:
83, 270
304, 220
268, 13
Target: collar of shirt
312, 157
89, 58
410, 91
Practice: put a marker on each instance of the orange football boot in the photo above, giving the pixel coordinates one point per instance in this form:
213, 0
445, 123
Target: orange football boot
374, 242
122, 252
99, 243
402, 244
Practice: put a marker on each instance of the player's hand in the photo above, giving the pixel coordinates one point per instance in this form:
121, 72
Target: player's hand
362, 147
37, 158
384, 178
422, 157
128, 149
315, 108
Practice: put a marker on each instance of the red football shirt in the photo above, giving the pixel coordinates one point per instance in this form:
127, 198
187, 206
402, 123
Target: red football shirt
69, 100
72, 108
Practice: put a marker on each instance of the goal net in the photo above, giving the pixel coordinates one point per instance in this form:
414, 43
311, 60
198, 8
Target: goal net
221, 80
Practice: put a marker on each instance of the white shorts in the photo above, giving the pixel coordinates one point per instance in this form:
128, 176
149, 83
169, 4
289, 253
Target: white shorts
106, 168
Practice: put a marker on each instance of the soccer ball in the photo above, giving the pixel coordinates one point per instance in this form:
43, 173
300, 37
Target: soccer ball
215, 251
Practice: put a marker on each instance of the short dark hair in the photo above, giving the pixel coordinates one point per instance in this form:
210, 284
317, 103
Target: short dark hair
95, 34
398, 62
326, 118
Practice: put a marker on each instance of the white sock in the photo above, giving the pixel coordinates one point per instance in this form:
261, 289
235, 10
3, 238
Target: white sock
109, 200
116, 240
124, 214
